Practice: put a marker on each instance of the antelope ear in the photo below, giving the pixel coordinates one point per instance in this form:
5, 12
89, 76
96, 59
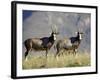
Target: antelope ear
82, 33
76, 32
50, 33
57, 33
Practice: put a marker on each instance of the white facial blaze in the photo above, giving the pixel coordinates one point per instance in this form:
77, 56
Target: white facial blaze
54, 36
80, 36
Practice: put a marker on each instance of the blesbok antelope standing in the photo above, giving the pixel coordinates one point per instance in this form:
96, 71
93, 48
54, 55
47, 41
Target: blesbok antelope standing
41, 44
71, 43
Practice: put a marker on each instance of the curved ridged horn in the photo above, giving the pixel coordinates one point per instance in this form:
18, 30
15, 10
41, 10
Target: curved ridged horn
54, 28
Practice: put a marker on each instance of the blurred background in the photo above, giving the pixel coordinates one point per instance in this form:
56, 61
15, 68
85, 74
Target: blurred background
38, 24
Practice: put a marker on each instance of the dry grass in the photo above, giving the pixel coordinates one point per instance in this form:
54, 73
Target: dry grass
34, 62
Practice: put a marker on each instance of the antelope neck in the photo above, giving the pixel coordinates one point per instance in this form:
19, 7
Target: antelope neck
78, 37
51, 38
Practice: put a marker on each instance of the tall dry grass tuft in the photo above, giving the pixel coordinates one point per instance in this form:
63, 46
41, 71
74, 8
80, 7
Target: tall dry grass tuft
65, 60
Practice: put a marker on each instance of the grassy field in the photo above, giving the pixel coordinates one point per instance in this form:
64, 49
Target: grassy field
68, 60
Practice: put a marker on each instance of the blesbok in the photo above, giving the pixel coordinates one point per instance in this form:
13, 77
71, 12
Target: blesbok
41, 44
68, 44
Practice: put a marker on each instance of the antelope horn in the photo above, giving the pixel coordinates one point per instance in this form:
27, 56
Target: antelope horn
54, 28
